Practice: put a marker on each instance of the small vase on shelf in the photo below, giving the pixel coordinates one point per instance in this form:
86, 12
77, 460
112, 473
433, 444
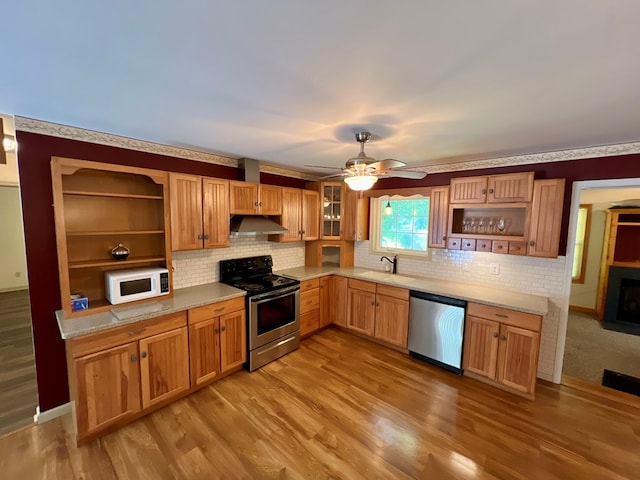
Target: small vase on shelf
120, 252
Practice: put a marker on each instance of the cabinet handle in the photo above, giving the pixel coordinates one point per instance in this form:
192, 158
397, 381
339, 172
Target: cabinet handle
377, 304
136, 332
303, 232
218, 310
503, 337
373, 304
532, 243
499, 247
491, 190
143, 354
501, 315
206, 237
484, 191
495, 334
223, 328
216, 330
134, 358
259, 204
468, 244
256, 204
200, 237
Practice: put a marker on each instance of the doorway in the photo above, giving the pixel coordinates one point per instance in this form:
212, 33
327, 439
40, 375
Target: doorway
587, 349
18, 387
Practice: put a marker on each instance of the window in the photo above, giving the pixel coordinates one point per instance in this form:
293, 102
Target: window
582, 241
400, 224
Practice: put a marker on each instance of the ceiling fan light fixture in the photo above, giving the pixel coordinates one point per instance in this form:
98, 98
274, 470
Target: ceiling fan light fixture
360, 182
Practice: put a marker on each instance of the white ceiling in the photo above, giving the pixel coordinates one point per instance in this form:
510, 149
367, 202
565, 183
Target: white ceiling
290, 81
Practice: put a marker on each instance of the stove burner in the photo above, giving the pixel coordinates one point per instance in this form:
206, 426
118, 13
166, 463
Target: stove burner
271, 278
250, 287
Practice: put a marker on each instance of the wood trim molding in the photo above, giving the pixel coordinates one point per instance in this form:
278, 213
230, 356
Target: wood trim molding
578, 308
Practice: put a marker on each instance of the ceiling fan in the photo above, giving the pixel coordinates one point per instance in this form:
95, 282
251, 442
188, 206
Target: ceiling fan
362, 172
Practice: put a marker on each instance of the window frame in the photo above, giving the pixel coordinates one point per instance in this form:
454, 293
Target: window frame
585, 245
375, 207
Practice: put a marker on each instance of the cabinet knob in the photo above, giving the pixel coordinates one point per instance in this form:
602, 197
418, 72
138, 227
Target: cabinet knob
134, 358
200, 237
259, 204
491, 190
136, 332
256, 204
216, 330
223, 328
218, 310
532, 243
484, 191
304, 232
373, 304
503, 337
206, 237
143, 354
495, 334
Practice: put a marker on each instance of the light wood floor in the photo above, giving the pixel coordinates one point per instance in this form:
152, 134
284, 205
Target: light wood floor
18, 389
342, 407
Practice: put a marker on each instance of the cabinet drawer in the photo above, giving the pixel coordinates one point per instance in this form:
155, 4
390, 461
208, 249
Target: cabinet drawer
309, 300
468, 244
505, 316
362, 285
483, 245
500, 246
309, 284
309, 322
517, 248
453, 243
120, 335
395, 292
215, 309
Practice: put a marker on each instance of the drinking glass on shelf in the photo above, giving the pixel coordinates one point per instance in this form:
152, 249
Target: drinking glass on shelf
501, 225
465, 224
481, 223
491, 224
472, 224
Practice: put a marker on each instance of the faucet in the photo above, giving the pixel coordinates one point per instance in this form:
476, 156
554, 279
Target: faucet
393, 262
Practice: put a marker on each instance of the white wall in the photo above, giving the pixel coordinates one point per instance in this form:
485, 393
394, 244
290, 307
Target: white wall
584, 294
202, 266
538, 276
13, 259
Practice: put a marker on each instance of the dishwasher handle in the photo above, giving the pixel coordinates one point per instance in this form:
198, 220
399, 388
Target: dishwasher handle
456, 302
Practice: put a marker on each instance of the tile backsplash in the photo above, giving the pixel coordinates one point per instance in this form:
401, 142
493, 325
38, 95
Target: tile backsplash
197, 267
538, 276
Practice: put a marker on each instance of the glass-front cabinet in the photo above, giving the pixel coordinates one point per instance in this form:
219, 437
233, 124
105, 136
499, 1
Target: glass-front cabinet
331, 198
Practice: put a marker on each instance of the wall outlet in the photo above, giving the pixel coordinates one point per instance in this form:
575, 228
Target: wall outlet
466, 267
494, 268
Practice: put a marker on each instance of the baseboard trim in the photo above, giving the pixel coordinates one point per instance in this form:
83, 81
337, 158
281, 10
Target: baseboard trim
578, 308
60, 410
14, 289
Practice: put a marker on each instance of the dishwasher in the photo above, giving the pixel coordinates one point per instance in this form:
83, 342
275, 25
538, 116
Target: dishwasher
436, 329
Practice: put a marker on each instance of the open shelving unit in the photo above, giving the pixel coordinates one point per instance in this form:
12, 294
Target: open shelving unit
97, 206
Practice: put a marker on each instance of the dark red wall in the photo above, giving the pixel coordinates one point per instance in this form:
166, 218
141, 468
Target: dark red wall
42, 263
603, 168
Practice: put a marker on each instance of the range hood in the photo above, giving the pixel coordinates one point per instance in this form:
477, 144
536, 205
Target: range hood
253, 224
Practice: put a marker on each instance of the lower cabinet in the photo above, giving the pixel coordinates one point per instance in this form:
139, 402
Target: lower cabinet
378, 310
502, 346
116, 374
217, 339
338, 300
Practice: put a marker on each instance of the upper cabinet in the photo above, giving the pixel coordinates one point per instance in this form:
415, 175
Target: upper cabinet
510, 188
199, 212
512, 214
438, 217
247, 198
343, 216
300, 215
97, 206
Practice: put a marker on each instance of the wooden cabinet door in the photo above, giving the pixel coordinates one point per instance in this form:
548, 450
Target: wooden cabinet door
310, 215
438, 217
291, 214
204, 350
108, 384
518, 358
392, 320
270, 200
349, 214
546, 217
361, 311
468, 190
326, 296
480, 346
186, 211
233, 340
215, 212
338, 306
243, 198
510, 188
164, 366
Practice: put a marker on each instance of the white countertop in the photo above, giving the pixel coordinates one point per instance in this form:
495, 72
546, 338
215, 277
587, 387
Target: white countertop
521, 302
183, 299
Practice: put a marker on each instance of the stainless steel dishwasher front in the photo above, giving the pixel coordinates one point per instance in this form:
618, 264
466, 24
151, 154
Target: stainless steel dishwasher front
436, 329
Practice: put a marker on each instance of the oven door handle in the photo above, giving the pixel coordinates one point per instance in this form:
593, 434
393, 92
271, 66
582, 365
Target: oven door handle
257, 300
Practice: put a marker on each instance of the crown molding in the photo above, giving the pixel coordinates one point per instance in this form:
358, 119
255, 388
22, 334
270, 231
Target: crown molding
74, 133
534, 158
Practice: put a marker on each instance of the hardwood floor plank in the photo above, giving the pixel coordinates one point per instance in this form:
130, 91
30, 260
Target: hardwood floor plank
342, 407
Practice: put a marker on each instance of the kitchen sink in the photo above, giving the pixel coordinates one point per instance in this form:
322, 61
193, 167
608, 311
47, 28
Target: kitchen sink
386, 277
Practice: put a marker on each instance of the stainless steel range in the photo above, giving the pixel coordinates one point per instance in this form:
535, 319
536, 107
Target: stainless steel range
273, 308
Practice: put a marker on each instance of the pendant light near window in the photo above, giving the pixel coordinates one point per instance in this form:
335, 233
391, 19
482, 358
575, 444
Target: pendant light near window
387, 209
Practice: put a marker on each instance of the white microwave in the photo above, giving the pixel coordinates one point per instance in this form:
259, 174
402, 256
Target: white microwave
121, 286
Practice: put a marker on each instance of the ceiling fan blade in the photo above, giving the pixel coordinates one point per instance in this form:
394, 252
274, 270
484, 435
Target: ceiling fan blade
386, 164
405, 174
333, 175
